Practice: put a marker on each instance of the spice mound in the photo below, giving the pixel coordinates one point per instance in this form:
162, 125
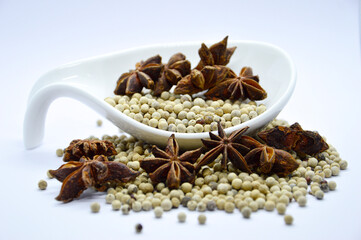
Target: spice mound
142, 177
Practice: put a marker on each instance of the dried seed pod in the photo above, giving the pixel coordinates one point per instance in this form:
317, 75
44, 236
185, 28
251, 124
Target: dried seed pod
244, 86
144, 75
96, 172
176, 68
217, 54
88, 148
294, 138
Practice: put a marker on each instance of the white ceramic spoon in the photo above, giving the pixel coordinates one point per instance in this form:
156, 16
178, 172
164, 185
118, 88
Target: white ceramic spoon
91, 80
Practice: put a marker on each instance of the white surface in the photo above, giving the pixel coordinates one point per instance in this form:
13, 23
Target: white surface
90, 81
321, 36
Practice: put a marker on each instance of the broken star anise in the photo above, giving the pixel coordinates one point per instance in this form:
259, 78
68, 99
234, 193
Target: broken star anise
238, 87
267, 159
88, 148
170, 168
228, 146
294, 138
198, 81
176, 68
144, 75
96, 172
217, 54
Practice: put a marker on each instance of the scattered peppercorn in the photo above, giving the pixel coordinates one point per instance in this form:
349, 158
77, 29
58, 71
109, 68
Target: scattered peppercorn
59, 152
182, 217
288, 219
138, 228
95, 207
42, 184
202, 219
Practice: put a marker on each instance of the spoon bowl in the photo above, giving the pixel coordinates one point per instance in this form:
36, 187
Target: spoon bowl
91, 80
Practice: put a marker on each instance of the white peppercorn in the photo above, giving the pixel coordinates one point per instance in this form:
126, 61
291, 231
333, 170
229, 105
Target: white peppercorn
288, 219
42, 184
182, 217
95, 207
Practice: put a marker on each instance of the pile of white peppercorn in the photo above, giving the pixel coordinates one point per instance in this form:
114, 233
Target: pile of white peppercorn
184, 114
215, 188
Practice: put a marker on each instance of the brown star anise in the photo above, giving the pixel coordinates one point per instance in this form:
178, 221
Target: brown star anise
268, 159
170, 168
176, 68
238, 87
198, 81
217, 54
144, 75
78, 176
88, 148
294, 138
228, 146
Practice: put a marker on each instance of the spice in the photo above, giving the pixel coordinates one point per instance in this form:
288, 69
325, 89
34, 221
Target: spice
226, 145
246, 212
59, 152
294, 138
267, 159
138, 228
42, 184
217, 54
88, 148
202, 219
332, 185
116, 204
90, 172
169, 167
109, 198
244, 86
182, 217
176, 68
125, 209
158, 212
143, 76
95, 207
288, 219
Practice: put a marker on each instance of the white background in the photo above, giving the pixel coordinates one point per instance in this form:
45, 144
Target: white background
322, 37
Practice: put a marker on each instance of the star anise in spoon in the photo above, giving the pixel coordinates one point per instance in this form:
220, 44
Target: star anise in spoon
144, 75
217, 54
170, 168
267, 159
229, 147
294, 138
88, 148
97, 172
198, 81
176, 68
244, 86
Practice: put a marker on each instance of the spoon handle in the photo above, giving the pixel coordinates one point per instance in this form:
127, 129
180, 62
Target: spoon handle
39, 102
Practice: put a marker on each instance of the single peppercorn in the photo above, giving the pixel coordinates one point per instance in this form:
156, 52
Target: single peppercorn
95, 207
138, 228
42, 184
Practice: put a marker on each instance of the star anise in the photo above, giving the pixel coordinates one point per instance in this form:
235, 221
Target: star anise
176, 68
294, 138
144, 75
198, 81
217, 54
268, 159
238, 87
228, 146
170, 168
88, 148
78, 176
